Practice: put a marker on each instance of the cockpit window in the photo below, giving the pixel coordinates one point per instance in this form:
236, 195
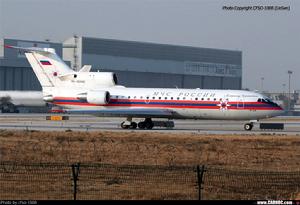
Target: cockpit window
266, 100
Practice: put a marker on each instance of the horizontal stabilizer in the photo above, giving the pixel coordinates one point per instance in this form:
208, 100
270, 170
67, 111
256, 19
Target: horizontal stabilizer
32, 49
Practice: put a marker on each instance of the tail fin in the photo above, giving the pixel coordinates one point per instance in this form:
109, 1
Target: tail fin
46, 64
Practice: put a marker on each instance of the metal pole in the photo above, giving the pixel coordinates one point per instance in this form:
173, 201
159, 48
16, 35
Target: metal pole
289, 100
200, 173
75, 173
289, 92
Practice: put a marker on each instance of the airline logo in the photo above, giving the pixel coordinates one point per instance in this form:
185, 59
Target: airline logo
223, 105
45, 62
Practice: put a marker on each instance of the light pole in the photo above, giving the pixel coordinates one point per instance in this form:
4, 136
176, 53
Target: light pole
262, 84
289, 100
283, 90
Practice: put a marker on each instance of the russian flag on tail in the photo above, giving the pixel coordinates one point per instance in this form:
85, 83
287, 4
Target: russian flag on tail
45, 62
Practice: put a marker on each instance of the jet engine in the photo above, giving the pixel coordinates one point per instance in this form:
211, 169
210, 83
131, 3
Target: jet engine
95, 97
104, 79
92, 79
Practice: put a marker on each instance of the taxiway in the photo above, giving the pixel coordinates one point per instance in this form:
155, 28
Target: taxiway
92, 123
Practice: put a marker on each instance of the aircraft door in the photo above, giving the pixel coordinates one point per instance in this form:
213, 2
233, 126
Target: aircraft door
240, 103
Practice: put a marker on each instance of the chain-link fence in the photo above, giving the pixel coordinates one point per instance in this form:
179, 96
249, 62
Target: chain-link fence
106, 181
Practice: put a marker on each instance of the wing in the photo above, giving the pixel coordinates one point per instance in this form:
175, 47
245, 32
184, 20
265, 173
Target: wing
159, 113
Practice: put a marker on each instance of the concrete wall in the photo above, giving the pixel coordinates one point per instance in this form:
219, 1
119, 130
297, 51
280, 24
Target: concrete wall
18, 78
139, 64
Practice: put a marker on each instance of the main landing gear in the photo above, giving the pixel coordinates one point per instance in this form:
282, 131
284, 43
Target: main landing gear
147, 124
248, 126
128, 124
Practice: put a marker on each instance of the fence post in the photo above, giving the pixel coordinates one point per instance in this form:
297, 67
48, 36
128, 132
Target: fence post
200, 173
75, 173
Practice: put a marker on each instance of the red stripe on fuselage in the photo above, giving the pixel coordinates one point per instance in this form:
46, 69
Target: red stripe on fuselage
166, 106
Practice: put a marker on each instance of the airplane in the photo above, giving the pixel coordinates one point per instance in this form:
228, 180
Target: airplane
13, 100
98, 93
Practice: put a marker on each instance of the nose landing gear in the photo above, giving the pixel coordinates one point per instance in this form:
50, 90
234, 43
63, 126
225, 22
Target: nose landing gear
248, 126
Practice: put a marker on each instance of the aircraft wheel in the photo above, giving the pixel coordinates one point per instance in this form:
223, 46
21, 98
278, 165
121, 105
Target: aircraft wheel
149, 125
141, 125
248, 126
124, 126
133, 125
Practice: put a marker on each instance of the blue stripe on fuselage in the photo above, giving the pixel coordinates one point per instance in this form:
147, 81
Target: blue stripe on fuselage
169, 103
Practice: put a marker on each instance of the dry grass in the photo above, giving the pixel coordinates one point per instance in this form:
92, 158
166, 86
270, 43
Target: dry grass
254, 152
259, 152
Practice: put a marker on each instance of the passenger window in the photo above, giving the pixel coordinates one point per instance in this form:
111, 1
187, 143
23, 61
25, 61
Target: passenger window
153, 98
147, 97
178, 98
166, 98
183, 98
215, 99
128, 97
196, 98
202, 99
171, 98
134, 97
208, 99
159, 98
259, 100
141, 97
117, 97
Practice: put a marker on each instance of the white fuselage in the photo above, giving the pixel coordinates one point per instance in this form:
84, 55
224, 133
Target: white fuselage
186, 103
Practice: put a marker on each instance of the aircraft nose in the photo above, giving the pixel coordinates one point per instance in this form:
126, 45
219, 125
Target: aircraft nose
280, 108
279, 111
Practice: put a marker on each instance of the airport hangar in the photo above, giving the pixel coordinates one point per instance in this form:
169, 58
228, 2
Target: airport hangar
137, 64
